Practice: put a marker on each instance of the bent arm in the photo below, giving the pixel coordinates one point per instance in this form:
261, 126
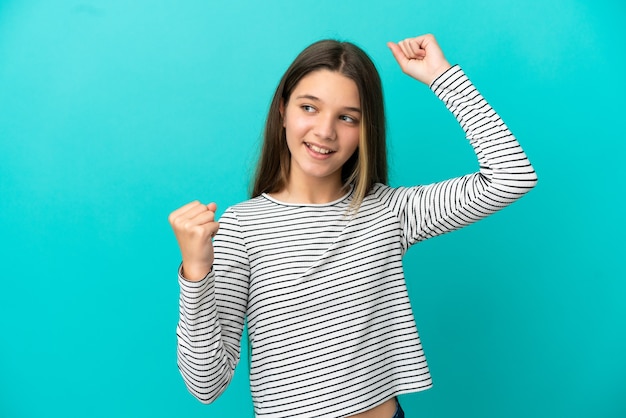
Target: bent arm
505, 174
212, 314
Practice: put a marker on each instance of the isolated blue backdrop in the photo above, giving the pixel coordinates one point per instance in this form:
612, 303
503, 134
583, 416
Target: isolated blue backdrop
114, 113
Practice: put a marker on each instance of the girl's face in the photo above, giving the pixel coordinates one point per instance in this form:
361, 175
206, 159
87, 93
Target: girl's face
321, 122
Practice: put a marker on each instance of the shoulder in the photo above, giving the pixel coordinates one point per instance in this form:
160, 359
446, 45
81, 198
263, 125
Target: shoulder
394, 199
250, 204
383, 192
249, 210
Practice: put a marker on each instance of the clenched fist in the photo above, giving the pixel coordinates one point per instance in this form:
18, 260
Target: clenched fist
420, 57
194, 226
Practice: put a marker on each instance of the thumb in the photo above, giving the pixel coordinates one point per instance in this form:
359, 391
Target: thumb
212, 207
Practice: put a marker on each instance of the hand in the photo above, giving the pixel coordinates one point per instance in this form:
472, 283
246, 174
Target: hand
194, 226
420, 58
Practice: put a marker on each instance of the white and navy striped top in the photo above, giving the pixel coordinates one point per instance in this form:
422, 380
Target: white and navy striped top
330, 324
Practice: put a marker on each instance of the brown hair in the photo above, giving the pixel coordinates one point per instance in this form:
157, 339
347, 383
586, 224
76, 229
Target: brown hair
368, 165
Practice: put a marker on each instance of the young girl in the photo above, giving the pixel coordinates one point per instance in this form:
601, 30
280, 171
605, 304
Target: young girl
314, 259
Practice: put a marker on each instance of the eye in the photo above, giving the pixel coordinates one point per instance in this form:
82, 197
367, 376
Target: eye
348, 118
308, 108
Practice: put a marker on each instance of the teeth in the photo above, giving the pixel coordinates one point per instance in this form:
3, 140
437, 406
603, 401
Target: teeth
318, 149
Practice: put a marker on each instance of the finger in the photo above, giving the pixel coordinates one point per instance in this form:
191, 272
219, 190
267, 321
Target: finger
413, 46
405, 49
212, 206
183, 209
193, 211
213, 228
424, 40
417, 49
429, 43
397, 53
208, 230
202, 218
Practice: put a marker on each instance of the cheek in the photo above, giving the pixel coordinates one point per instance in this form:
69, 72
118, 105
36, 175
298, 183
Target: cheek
296, 128
353, 139
294, 123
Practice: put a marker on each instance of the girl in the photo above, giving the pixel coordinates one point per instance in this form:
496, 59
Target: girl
314, 259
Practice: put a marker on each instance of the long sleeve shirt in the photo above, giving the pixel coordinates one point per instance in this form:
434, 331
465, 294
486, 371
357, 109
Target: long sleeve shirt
331, 328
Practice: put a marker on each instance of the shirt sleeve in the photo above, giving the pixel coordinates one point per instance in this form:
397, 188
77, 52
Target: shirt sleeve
212, 315
505, 174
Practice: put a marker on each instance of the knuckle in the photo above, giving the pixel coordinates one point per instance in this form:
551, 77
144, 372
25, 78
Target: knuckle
176, 223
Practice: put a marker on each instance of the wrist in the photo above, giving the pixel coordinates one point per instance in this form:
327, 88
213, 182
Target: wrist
438, 72
194, 273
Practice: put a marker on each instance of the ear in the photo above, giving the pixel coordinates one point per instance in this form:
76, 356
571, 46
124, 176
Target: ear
281, 109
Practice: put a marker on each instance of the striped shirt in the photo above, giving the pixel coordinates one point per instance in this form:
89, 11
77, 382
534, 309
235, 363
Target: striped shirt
330, 324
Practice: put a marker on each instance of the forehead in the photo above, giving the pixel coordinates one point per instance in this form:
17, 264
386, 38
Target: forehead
328, 86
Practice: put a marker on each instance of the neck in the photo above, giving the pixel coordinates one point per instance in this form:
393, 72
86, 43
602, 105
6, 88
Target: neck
311, 191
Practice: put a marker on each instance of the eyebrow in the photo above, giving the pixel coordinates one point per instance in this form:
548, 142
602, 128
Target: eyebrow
317, 99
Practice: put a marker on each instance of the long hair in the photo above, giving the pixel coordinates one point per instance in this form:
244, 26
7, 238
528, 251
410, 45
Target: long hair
368, 164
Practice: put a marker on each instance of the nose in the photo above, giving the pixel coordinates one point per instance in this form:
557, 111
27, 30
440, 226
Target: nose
325, 127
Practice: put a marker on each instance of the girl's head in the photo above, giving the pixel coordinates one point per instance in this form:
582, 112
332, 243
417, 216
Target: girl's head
368, 164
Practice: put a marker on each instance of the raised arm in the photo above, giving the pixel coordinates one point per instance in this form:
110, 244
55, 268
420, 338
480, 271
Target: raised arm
505, 173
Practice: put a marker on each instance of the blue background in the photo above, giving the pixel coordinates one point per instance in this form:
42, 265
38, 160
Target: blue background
114, 113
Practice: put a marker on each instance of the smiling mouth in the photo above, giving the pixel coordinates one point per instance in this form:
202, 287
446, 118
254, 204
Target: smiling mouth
317, 149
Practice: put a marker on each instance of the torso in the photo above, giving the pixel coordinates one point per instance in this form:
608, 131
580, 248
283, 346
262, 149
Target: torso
338, 291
